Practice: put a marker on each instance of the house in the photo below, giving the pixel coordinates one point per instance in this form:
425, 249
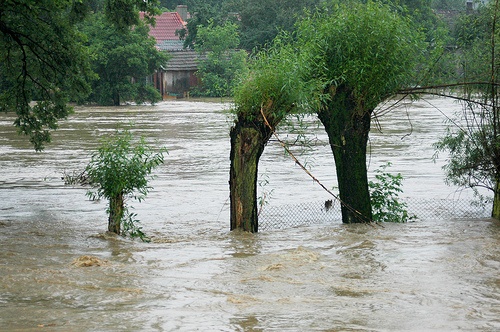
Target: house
177, 76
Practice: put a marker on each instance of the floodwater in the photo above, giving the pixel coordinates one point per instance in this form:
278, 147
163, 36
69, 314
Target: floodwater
196, 275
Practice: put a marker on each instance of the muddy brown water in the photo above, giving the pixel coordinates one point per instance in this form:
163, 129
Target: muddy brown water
195, 275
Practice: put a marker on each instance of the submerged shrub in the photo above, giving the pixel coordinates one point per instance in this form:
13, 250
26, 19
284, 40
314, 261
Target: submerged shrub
119, 170
384, 197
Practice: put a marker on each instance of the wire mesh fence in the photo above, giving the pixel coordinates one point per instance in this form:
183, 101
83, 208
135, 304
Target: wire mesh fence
308, 213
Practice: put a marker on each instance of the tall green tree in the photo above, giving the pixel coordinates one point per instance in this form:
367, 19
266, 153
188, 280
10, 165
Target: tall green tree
262, 20
202, 13
43, 62
122, 58
271, 90
362, 54
220, 62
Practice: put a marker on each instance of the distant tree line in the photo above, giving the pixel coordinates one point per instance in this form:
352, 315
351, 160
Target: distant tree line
255, 23
98, 51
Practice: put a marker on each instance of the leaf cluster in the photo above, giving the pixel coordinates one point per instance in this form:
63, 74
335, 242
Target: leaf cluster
272, 84
132, 228
472, 140
369, 49
120, 167
384, 197
220, 64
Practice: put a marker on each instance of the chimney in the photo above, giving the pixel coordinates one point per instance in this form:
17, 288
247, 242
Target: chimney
183, 12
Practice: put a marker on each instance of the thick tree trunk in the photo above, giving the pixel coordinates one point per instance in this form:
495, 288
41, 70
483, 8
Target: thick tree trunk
495, 213
348, 129
248, 140
116, 206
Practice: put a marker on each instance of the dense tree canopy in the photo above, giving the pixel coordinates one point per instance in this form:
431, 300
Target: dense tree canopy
43, 59
221, 64
262, 20
122, 58
259, 21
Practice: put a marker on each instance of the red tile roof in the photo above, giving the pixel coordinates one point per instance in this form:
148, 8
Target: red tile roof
166, 25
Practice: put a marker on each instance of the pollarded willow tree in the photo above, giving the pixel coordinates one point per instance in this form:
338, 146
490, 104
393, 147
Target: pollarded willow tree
362, 53
262, 100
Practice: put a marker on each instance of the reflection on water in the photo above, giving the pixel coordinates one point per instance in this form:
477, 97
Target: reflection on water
196, 275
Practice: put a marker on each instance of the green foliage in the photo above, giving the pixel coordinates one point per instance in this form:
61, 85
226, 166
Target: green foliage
368, 49
259, 21
273, 82
473, 149
449, 4
43, 57
473, 35
384, 194
131, 227
221, 63
464, 54
121, 169
473, 141
262, 20
122, 58
203, 12
125, 13
265, 195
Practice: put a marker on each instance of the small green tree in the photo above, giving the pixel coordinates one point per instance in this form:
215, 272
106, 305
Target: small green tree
262, 100
119, 170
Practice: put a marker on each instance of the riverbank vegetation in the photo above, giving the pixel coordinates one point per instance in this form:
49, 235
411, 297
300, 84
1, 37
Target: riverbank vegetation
473, 138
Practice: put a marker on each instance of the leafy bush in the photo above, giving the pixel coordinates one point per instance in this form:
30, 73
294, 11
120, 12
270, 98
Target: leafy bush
384, 193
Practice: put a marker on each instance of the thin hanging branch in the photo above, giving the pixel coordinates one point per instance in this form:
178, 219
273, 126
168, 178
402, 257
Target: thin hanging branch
337, 198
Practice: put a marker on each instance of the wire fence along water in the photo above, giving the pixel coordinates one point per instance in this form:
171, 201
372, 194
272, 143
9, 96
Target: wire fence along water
285, 216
